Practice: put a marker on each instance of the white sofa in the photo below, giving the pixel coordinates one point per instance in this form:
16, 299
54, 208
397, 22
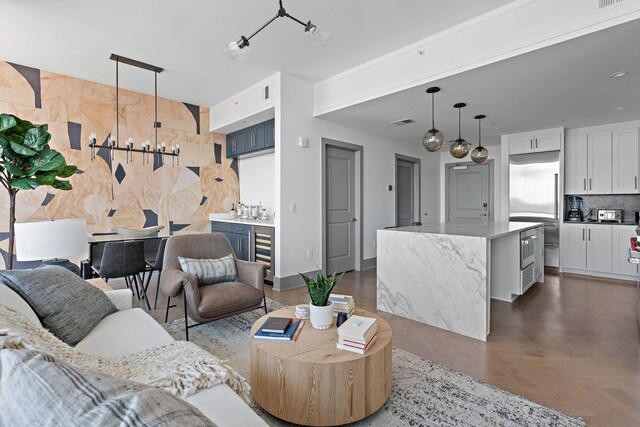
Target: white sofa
130, 330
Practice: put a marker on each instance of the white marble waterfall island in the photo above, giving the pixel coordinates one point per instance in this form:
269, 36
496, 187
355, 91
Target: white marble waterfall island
444, 275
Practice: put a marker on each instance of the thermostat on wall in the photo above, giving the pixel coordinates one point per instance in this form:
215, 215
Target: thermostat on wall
303, 142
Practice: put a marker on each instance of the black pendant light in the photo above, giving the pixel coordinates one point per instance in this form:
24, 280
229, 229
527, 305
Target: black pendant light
433, 139
479, 154
459, 147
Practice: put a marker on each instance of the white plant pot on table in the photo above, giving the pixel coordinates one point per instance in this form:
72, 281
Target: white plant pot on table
321, 317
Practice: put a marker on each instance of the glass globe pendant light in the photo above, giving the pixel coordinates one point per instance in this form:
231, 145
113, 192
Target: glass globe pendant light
459, 147
479, 154
433, 139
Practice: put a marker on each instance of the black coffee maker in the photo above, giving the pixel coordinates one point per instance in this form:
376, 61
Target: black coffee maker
575, 209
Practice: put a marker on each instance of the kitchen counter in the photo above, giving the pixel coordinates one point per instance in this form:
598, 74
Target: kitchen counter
226, 217
627, 223
445, 275
492, 230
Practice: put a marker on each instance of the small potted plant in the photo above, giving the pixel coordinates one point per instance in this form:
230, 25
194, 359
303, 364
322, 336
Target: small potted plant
320, 308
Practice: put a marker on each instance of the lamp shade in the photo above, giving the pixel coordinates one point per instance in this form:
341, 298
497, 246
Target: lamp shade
50, 239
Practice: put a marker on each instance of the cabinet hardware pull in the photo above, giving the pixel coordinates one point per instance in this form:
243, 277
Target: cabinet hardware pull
635, 182
583, 234
536, 143
584, 184
590, 184
589, 234
531, 143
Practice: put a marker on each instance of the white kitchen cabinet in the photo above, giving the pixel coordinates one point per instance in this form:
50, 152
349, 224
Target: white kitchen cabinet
574, 246
588, 163
626, 158
575, 171
599, 163
599, 248
533, 142
621, 244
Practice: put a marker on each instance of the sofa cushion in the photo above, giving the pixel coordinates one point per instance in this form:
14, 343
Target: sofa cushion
209, 271
225, 298
10, 298
124, 332
65, 304
37, 390
225, 408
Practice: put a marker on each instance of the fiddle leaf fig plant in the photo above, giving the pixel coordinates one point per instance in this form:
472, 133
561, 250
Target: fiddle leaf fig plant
27, 162
321, 287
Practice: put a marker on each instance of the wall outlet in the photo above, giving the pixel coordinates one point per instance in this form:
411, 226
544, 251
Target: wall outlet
309, 253
292, 207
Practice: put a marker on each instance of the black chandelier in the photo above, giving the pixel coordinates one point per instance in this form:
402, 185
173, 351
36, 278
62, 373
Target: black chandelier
113, 144
315, 36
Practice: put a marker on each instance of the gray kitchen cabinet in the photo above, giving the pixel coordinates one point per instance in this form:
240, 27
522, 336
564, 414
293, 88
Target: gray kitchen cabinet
238, 236
270, 133
251, 140
255, 138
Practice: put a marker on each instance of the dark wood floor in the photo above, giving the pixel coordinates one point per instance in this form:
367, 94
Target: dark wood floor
571, 344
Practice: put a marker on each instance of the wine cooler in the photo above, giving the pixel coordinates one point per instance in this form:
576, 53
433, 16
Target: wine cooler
263, 249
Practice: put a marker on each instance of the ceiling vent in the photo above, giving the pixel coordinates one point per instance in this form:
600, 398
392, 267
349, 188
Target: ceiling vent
602, 4
403, 122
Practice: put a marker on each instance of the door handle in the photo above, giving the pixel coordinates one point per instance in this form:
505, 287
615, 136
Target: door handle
354, 219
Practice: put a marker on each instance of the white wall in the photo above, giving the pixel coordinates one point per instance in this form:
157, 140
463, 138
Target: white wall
298, 172
495, 153
257, 181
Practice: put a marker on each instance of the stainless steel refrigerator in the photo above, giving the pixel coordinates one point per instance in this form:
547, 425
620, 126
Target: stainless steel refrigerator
534, 196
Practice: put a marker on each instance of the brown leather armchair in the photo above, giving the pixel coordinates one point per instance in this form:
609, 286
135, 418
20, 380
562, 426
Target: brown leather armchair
210, 302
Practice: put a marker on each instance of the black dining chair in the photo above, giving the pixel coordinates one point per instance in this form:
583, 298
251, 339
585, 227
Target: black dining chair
154, 263
124, 259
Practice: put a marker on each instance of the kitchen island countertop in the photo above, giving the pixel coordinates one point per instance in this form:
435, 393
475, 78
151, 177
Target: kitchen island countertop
491, 230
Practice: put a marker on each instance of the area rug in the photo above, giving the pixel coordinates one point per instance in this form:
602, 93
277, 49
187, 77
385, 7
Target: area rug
423, 394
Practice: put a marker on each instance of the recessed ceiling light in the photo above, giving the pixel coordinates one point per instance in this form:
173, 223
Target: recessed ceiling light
620, 108
618, 74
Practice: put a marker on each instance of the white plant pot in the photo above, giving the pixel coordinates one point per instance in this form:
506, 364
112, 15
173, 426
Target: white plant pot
321, 317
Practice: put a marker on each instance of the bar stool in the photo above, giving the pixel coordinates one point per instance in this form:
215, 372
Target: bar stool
124, 259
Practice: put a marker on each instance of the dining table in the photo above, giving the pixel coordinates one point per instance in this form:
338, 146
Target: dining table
97, 242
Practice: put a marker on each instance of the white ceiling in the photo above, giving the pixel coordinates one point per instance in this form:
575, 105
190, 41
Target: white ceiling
187, 38
566, 85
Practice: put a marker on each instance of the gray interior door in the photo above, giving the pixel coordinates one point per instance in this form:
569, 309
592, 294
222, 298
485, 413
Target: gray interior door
341, 209
469, 193
404, 193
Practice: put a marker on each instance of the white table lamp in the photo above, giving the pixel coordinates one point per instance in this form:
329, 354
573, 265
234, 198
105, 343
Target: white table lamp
51, 240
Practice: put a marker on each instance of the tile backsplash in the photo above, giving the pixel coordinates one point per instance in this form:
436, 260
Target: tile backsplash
629, 203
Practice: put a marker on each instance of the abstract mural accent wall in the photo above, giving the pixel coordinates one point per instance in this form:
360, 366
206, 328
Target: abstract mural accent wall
110, 194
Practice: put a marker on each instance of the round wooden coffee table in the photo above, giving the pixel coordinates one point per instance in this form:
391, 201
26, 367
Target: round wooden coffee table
311, 382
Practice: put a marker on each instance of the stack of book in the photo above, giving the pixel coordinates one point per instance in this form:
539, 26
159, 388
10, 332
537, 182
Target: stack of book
342, 304
279, 328
357, 334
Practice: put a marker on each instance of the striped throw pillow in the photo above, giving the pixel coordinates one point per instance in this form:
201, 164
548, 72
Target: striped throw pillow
209, 271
